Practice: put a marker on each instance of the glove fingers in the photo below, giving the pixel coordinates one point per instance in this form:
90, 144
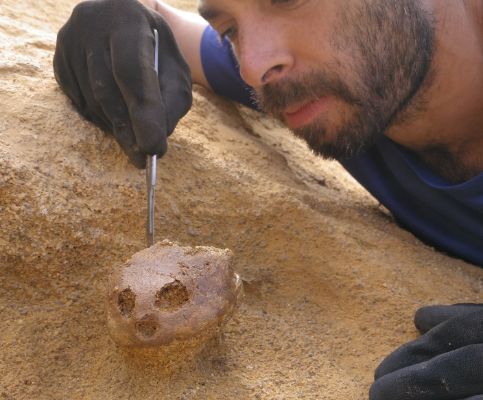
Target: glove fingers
139, 85
92, 110
174, 77
64, 75
460, 331
137, 158
108, 96
450, 376
71, 63
427, 318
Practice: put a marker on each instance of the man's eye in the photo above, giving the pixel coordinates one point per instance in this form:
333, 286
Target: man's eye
229, 33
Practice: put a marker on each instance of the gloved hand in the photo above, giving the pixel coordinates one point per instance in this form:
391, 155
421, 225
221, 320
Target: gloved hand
104, 62
445, 363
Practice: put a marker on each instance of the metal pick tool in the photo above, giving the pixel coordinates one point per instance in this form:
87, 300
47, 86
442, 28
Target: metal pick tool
151, 165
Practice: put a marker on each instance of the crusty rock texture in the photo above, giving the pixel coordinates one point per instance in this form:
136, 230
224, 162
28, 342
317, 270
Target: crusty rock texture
169, 293
331, 283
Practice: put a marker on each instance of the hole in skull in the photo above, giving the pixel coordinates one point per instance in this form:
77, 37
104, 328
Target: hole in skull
147, 326
171, 296
126, 302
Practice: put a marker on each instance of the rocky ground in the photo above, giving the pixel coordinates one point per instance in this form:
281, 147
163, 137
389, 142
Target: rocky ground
331, 282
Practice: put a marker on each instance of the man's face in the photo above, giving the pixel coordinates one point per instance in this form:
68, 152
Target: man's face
338, 73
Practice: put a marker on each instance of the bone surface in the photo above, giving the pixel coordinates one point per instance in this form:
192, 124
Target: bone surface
169, 293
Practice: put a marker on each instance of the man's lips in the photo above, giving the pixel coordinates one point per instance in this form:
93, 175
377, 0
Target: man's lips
301, 114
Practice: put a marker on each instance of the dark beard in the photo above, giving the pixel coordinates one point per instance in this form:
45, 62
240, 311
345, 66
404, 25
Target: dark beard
390, 44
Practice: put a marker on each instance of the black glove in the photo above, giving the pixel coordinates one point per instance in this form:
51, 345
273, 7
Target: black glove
104, 62
445, 363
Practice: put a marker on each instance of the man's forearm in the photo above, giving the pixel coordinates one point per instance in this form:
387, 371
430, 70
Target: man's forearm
188, 29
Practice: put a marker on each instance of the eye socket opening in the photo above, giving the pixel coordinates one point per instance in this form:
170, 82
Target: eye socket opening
172, 296
126, 301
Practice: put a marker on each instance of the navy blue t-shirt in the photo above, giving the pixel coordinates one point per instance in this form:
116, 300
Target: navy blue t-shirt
446, 216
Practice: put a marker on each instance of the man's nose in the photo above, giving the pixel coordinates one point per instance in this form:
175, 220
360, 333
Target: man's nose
263, 58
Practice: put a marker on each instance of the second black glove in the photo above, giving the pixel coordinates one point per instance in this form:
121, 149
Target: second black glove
446, 363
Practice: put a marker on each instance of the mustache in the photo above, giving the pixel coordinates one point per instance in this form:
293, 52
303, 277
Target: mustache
274, 98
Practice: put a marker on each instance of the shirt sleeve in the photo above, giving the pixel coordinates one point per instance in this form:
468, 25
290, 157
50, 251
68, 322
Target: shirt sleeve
221, 68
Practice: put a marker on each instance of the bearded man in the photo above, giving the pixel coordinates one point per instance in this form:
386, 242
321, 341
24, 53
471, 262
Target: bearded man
390, 88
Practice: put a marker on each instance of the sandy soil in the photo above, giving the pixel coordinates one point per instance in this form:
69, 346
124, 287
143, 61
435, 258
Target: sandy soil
331, 282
